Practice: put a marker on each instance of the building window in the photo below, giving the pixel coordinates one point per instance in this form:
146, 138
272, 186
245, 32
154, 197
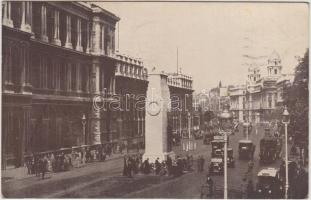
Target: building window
275, 71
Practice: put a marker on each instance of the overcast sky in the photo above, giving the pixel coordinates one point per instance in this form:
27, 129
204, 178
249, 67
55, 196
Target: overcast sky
211, 37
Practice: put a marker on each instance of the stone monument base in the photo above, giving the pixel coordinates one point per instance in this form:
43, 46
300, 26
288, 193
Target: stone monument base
162, 156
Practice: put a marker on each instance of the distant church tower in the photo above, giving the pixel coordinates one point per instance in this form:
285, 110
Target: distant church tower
274, 66
253, 75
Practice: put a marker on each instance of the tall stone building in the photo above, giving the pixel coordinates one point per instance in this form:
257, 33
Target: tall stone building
131, 88
261, 96
57, 56
59, 64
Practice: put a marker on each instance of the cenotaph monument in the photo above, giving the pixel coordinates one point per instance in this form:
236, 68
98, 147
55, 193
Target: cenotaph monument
157, 106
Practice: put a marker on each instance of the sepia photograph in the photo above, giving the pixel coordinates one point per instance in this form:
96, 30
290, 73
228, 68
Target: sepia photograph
155, 99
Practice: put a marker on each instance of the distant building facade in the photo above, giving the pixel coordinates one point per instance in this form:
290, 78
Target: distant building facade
131, 87
262, 95
181, 115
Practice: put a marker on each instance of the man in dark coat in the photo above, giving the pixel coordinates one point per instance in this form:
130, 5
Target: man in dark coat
202, 163
169, 165
125, 166
250, 189
210, 183
130, 167
43, 166
199, 164
157, 166
146, 166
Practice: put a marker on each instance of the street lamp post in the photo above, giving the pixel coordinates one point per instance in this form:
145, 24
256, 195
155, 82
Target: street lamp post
225, 120
246, 124
285, 121
189, 131
84, 123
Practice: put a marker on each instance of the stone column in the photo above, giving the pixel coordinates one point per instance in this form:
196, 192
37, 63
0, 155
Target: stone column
7, 20
78, 77
79, 32
68, 43
87, 37
138, 125
25, 71
57, 75
25, 25
95, 37
87, 74
43, 31
103, 39
68, 88
95, 112
56, 39
112, 84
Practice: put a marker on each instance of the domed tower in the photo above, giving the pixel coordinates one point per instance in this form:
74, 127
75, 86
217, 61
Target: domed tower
253, 75
274, 66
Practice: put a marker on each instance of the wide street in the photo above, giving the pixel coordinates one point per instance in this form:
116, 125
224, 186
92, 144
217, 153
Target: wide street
105, 180
188, 185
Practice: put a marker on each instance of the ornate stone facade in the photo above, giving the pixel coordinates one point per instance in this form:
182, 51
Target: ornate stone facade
257, 100
56, 57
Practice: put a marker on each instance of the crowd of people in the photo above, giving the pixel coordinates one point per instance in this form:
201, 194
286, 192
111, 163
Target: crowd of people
134, 164
66, 159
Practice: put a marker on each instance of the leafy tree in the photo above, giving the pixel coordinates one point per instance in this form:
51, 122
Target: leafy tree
297, 100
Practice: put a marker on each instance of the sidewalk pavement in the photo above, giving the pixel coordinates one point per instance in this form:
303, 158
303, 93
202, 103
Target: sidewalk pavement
21, 172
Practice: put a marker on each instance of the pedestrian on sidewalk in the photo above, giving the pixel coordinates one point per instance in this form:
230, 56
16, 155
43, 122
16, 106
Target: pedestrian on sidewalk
43, 166
202, 163
37, 165
157, 166
130, 167
199, 164
250, 189
125, 164
169, 163
210, 183
244, 188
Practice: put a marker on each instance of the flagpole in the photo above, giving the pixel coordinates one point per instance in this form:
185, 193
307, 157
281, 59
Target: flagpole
177, 61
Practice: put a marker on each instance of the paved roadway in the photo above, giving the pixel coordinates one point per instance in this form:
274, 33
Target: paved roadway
186, 186
104, 180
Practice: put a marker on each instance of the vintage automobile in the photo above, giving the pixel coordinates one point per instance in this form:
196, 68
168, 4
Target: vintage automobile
246, 149
216, 166
217, 144
268, 150
231, 162
219, 153
269, 184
